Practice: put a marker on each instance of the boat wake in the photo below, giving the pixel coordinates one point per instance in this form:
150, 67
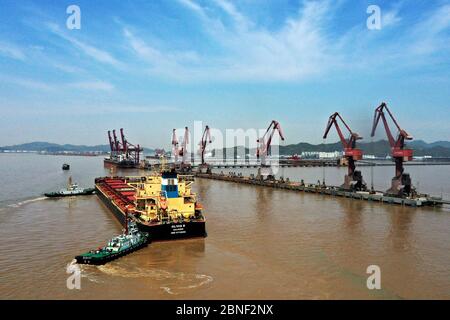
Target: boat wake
24, 202
172, 282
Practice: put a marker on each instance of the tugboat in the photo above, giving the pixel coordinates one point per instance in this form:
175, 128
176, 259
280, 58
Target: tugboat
131, 240
72, 190
65, 166
162, 204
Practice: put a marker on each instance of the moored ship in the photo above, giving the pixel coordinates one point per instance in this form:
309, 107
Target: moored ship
161, 204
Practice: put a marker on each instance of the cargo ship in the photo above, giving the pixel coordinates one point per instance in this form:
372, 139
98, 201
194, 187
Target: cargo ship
119, 162
161, 204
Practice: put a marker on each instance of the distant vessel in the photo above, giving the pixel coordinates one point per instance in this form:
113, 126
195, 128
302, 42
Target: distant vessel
123, 153
161, 204
119, 162
65, 166
131, 240
72, 190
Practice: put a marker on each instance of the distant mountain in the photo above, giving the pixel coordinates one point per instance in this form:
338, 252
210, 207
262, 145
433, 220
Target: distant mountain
378, 148
54, 147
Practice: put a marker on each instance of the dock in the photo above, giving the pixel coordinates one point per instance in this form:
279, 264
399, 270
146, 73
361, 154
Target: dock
420, 201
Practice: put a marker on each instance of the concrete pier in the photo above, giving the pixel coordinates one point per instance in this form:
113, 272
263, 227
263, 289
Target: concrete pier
422, 200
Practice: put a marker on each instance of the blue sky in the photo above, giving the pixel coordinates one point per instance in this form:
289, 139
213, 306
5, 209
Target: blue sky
150, 66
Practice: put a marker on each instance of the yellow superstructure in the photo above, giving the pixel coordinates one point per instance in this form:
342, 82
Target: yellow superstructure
160, 198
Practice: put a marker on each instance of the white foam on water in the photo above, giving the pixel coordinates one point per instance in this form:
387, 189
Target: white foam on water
21, 203
184, 281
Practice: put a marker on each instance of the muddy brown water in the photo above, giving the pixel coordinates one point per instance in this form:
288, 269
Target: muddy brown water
262, 243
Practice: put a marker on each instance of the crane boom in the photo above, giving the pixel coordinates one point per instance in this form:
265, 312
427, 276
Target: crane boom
124, 142
185, 143
206, 138
350, 143
175, 150
264, 143
398, 143
111, 144
116, 142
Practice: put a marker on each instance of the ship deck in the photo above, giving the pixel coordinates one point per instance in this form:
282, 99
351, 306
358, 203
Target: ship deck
118, 191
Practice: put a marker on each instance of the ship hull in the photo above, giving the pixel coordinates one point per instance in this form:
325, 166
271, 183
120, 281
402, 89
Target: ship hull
87, 192
97, 261
108, 163
160, 232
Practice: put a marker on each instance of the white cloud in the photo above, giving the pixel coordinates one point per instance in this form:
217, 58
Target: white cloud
304, 47
92, 85
26, 83
390, 18
67, 68
162, 63
12, 51
428, 36
298, 50
98, 54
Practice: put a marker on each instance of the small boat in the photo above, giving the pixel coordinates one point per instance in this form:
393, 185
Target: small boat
131, 240
65, 166
72, 190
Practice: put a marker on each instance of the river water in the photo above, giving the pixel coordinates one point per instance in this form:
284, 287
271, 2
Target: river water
262, 244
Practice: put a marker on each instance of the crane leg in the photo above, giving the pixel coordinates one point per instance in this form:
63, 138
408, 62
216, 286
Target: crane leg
353, 179
401, 184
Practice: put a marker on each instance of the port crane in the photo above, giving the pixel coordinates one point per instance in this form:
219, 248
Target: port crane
176, 149
206, 138
123, 151
184, 152
263, 148
401, 183
353, 179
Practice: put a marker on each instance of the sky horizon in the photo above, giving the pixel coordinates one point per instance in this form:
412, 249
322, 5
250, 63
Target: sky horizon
149, 67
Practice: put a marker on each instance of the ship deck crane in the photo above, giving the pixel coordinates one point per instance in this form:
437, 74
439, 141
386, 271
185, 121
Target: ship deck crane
184, 151
123, 152
401, 183
175, 147
111, 143
353, 179
206, 138
176, 150
116, 142
263, 148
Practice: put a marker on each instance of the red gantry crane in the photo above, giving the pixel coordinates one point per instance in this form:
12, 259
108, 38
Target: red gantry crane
263, 148
206, 138
353, 180
183, 152
401, 183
